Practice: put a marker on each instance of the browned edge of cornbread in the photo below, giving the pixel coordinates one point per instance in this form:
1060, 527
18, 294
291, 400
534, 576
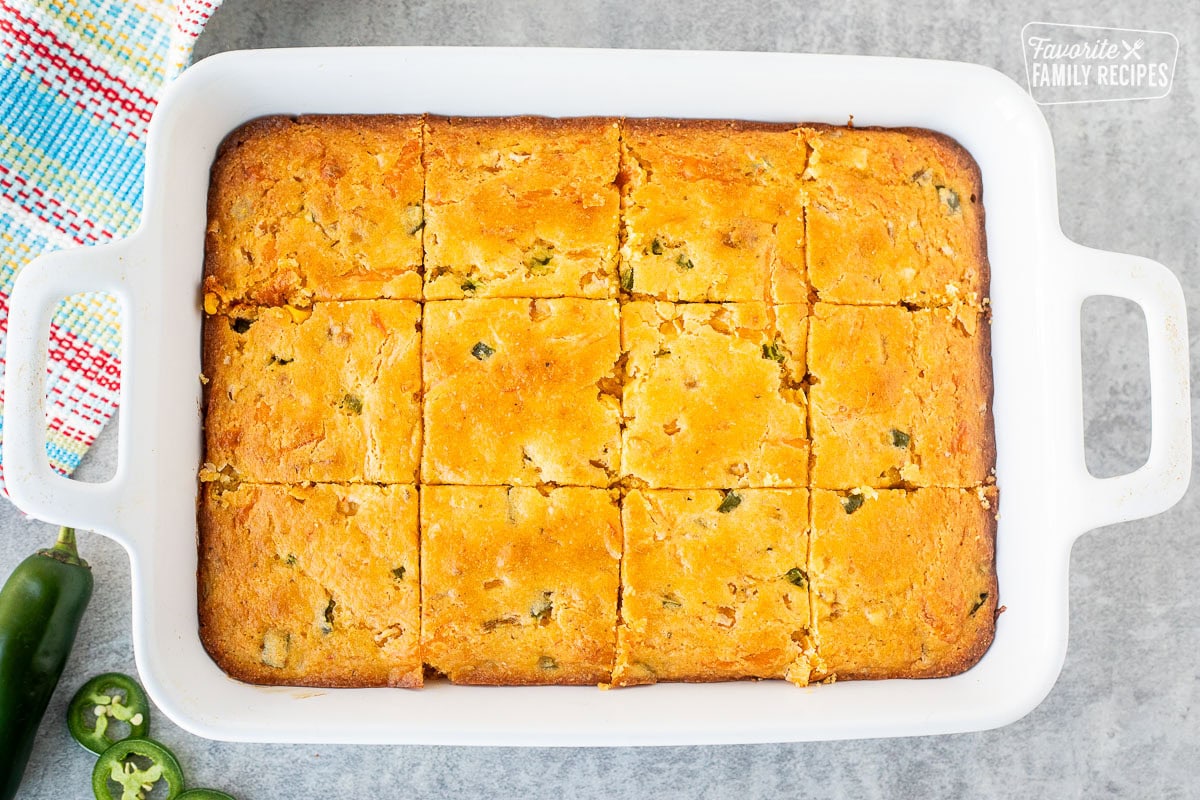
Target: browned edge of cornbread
527, 122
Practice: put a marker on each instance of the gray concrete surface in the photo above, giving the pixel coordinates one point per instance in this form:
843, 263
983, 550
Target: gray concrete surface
1123, 719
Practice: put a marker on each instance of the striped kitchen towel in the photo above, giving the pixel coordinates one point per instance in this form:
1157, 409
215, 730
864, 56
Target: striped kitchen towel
78, 82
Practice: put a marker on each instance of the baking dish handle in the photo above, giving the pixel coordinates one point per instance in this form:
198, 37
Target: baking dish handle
1162, 480
32, 484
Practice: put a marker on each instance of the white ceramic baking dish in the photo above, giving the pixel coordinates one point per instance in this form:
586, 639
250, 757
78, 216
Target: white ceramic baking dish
1039, 280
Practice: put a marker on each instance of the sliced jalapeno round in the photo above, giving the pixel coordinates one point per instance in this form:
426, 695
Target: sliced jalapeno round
136, 766
204, 794
100, 704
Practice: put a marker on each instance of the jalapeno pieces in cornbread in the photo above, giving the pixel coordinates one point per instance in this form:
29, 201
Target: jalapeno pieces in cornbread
521, 207
899, 397
713, 395
315, 208
712, 211
714, 586
329, 393
522, 392
311, 585
519, 587
893, 216
903, 582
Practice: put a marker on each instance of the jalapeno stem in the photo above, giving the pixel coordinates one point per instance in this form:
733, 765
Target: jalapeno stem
66, 541
64, 548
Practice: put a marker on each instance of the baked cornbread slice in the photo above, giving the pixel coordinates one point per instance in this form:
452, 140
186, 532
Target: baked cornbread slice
903, 582
714, 586
521, 392
899, 397
315, 208
712, 211
521, 207
325, 394
519, 587
311, 585
893, 216
713, 395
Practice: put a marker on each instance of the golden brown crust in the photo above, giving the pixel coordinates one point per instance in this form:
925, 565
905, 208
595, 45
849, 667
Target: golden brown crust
893, 216
521, 207
315, 208
713, 395
534, 381
520, 587
713, 586
903, 582
899, 397
329, 393
710, 211
311, 586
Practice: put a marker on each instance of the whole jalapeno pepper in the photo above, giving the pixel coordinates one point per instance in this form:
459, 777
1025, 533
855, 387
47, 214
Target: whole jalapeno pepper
41, 605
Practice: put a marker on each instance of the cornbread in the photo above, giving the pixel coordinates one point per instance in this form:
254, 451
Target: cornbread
524, 401
714, 586
903, 582
712, 212
893, 216
320, 586
315, 208
899, 397
713, 395
345, 376
522, 392
520, 587
521, 207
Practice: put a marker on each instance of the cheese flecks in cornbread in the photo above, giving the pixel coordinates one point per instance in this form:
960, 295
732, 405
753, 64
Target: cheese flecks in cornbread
893, 216
522, 392
903, 582
519, 587
899, 397
328, 394
714, 586
521, 207
315, 208
713, 395
311, 585
712, 211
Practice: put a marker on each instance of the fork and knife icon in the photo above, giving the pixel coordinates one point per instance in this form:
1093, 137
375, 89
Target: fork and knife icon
1131, 50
